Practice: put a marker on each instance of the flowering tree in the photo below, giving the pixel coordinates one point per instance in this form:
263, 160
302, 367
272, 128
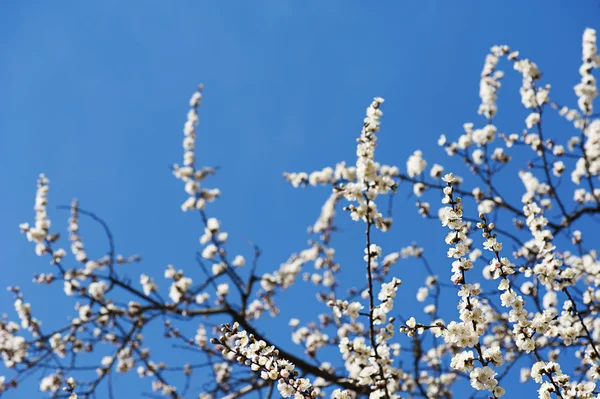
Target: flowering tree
538, 301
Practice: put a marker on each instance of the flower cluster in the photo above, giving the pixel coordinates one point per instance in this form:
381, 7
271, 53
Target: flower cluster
586, 90
371, 178
188, 173
40, 232
238, 345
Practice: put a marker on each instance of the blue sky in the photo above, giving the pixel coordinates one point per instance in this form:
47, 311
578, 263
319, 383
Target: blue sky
95, 96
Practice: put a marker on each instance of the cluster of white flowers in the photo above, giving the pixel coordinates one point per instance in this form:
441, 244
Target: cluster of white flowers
559, 382
188, 173
386, 296
371, 178
213, 239
366, 171
124, 360
532, 186
180, 285
373, 367
77, 247
325, 219
350, 309
222, 371
589, 163
151, 368
51, 383
548, 270
24, 312
482, 378
212, 233
237, 345
340, 174
201, 339
78, 250
164, 389
500, 268
532, 96
289, 270
148, 284
97, 289
586, 90
40, 232
490, 82
13, 347
416, 164
311, 337
473, 323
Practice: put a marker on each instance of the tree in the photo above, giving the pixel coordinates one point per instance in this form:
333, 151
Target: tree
539, 301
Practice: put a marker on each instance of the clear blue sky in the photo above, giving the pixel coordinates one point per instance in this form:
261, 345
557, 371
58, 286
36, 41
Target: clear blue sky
94, 94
